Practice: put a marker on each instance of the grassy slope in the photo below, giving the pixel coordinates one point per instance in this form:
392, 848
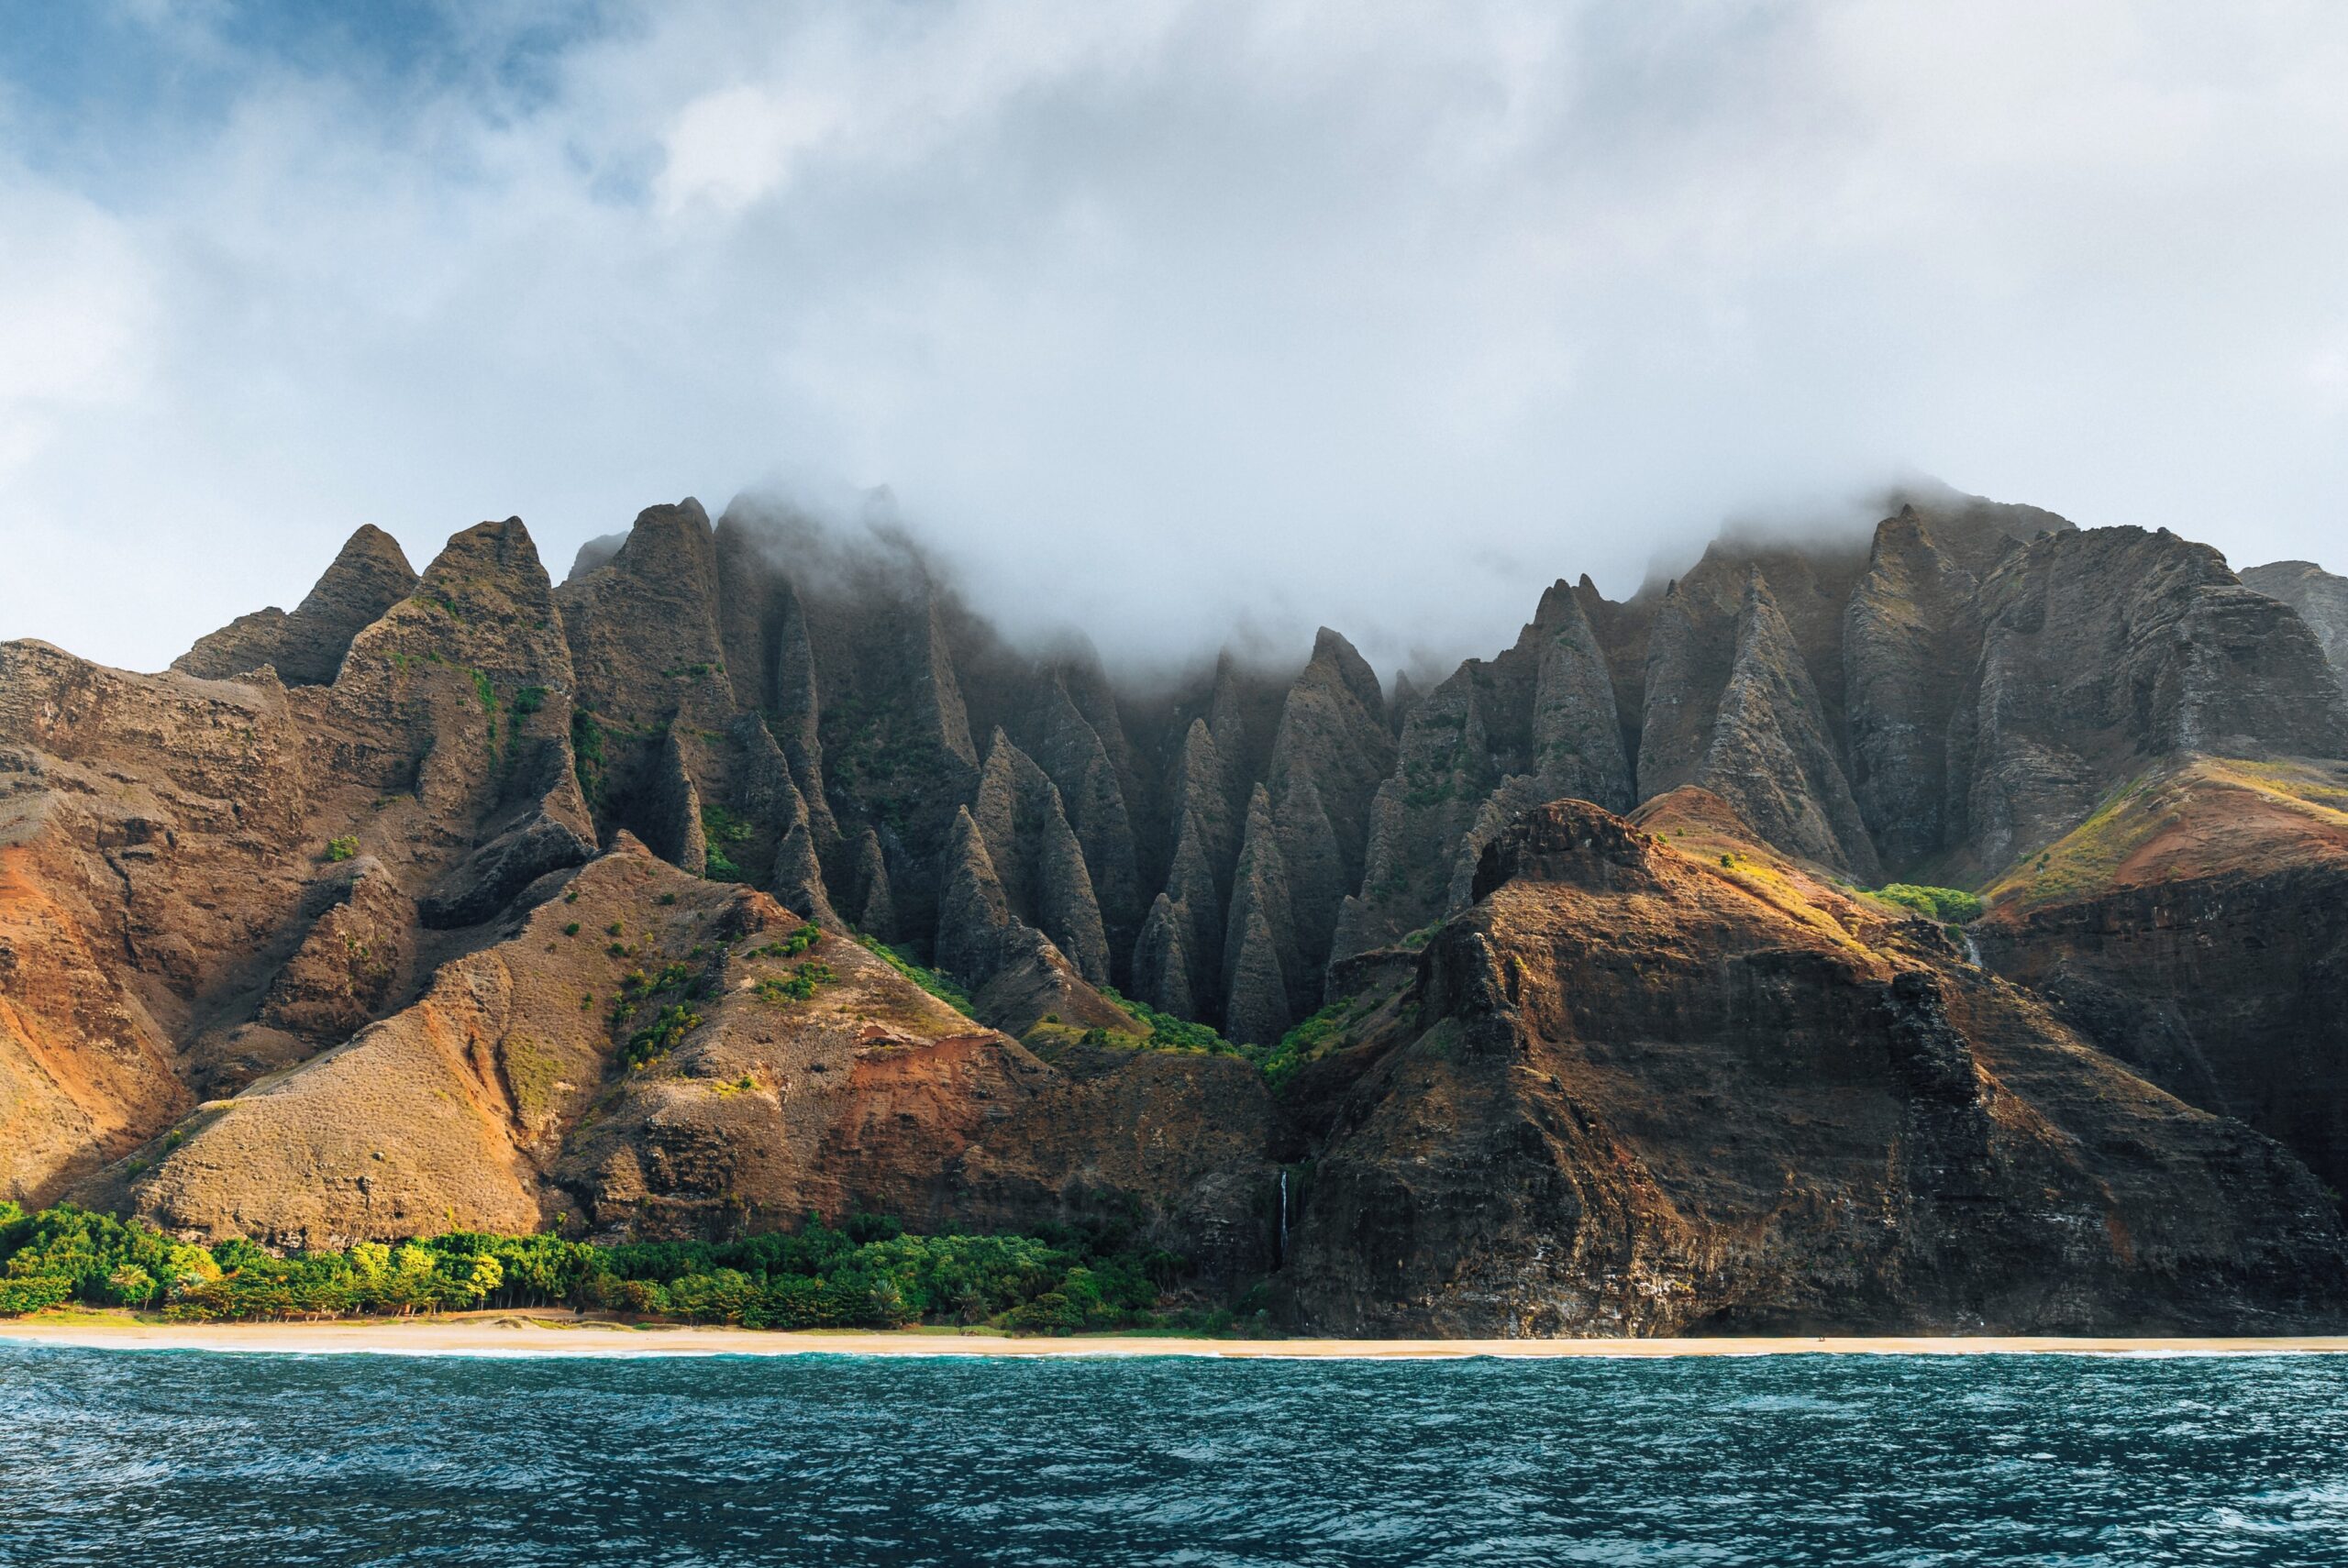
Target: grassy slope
2184, 820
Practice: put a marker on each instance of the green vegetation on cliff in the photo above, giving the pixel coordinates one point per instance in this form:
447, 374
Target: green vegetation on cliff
1278, 1063
723, 834
865, 1273
930, 980
1950, 906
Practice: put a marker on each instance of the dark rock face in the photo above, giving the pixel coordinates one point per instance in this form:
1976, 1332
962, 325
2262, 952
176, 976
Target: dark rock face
643, 627
1037, 858
1092, 788
1910, 635
1537, 724
1329, 757
2319, 598
1769, 756
1305, 841
1636, 1099
2217, 990
2106, 649
367, 578
2211, 951
1261, 964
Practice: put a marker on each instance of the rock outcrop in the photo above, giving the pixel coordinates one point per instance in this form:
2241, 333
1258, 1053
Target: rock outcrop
1037, 857
2104, 650
1770, 757
1537, 724
305, 648
1637, 1091
2196, 928
1911, 639
724, 1105
2319, 598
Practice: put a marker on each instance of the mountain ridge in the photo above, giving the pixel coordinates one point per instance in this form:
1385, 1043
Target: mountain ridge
270, 885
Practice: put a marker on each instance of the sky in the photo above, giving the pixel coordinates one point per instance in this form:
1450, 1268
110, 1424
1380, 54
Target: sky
1168, 321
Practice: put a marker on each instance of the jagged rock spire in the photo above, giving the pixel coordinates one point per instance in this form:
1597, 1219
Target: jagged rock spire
1330, 755
459, 697
673, 812
369, 576
1036, 856
1070, 749
876, 907
643, 628
1770, 757
797, 713
974, 918
798, 880
1260, 952
1575, 733
1162, 962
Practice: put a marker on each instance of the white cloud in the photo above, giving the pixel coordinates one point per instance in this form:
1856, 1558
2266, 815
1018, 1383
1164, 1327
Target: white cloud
75, 311
1162, 313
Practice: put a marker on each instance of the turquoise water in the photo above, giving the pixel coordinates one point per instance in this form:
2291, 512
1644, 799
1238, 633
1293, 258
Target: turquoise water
174, 1458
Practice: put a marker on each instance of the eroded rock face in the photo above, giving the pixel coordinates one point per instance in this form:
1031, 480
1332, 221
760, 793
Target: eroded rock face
1644, 1093
1537, 724
1037, 857
1770, 757
1910, 638
2104, 650
349, 967
145, 823
305, 648
2199, 929
2320, 597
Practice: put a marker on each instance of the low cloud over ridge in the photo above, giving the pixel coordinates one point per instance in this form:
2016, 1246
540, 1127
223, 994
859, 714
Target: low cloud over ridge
1159, 318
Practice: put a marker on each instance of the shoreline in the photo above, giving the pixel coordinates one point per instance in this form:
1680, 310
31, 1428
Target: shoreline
528, 1334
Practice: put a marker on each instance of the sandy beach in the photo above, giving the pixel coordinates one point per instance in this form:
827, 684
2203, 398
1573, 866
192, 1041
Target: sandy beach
532, 1334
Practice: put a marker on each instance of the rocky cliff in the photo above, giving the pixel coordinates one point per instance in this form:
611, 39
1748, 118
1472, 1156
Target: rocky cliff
472, 894
1660, 1080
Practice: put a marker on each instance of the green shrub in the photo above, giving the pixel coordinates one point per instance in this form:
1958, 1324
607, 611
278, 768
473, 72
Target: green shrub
340, 849
804, 982
1163, 1031
587, 755
662, 1035
32, 1293
791, 946
1949, 906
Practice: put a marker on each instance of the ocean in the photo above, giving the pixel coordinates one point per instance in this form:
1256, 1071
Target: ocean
195, 1458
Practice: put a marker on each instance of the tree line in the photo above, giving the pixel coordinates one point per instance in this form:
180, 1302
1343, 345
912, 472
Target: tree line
866, 1272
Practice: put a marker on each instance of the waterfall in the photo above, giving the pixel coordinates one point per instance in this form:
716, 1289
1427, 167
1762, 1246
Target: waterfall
1280, 1258
1972, 953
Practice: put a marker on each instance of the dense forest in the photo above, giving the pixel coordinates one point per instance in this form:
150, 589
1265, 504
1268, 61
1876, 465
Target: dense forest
865, 1273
